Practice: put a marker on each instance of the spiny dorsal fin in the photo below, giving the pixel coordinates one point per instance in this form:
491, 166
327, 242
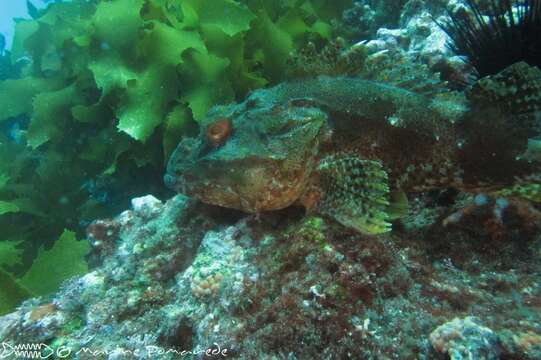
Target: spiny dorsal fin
356, 193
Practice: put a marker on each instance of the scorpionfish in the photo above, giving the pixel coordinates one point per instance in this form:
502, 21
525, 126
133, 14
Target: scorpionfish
352, 149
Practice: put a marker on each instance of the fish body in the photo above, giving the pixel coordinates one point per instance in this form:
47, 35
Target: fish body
344, 147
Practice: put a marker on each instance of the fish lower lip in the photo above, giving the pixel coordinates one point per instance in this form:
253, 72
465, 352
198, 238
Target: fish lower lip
169, 181
181, 185
176, 182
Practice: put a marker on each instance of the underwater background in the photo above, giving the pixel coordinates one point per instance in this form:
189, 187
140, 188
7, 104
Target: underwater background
255, 179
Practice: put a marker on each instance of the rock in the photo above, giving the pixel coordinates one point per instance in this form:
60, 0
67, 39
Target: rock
418, 38
146, 204
463, 339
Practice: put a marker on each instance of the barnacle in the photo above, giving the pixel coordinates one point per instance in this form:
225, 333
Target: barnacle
208, 286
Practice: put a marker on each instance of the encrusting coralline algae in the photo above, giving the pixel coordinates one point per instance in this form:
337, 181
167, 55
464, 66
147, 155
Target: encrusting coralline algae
289, 285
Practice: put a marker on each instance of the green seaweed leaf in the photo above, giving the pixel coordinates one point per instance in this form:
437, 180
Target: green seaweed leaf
190, 18
230, 16
32, 10
276, 48
206, 84
24, 29
145, 101
90, 113
144, 94
70, 21
8, 207
51, 110
4, 178
16, 95
64, 260
165, 44
239, 72
11, 292
111, 73
117, 23
175, 123
10, 253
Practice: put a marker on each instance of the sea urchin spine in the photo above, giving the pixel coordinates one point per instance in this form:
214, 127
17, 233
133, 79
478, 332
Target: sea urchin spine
509, 35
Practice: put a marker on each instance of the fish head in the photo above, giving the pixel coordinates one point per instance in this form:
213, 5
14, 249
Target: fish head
254, 156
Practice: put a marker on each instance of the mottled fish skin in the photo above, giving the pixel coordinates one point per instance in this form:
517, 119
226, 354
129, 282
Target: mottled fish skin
265, 164
516, 89
315, 142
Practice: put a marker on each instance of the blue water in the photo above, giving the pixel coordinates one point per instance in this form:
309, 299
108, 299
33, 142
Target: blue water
12, 9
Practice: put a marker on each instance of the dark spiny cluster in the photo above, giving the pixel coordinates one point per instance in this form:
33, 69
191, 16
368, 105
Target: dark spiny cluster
510, 34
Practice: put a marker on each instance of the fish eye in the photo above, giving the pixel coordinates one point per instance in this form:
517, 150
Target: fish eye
251, 103
218, 132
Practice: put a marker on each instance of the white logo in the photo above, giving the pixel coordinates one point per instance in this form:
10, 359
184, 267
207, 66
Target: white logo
32, 351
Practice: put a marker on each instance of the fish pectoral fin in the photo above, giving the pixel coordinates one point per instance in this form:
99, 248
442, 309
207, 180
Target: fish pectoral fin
355, 193
399, 205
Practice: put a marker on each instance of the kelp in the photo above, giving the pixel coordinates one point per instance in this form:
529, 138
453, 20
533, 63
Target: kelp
50, 268
104, 91
11, 293
64, 260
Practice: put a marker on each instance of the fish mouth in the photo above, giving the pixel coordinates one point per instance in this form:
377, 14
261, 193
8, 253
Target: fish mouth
177, 183
211, 193
258, 187
172, 183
